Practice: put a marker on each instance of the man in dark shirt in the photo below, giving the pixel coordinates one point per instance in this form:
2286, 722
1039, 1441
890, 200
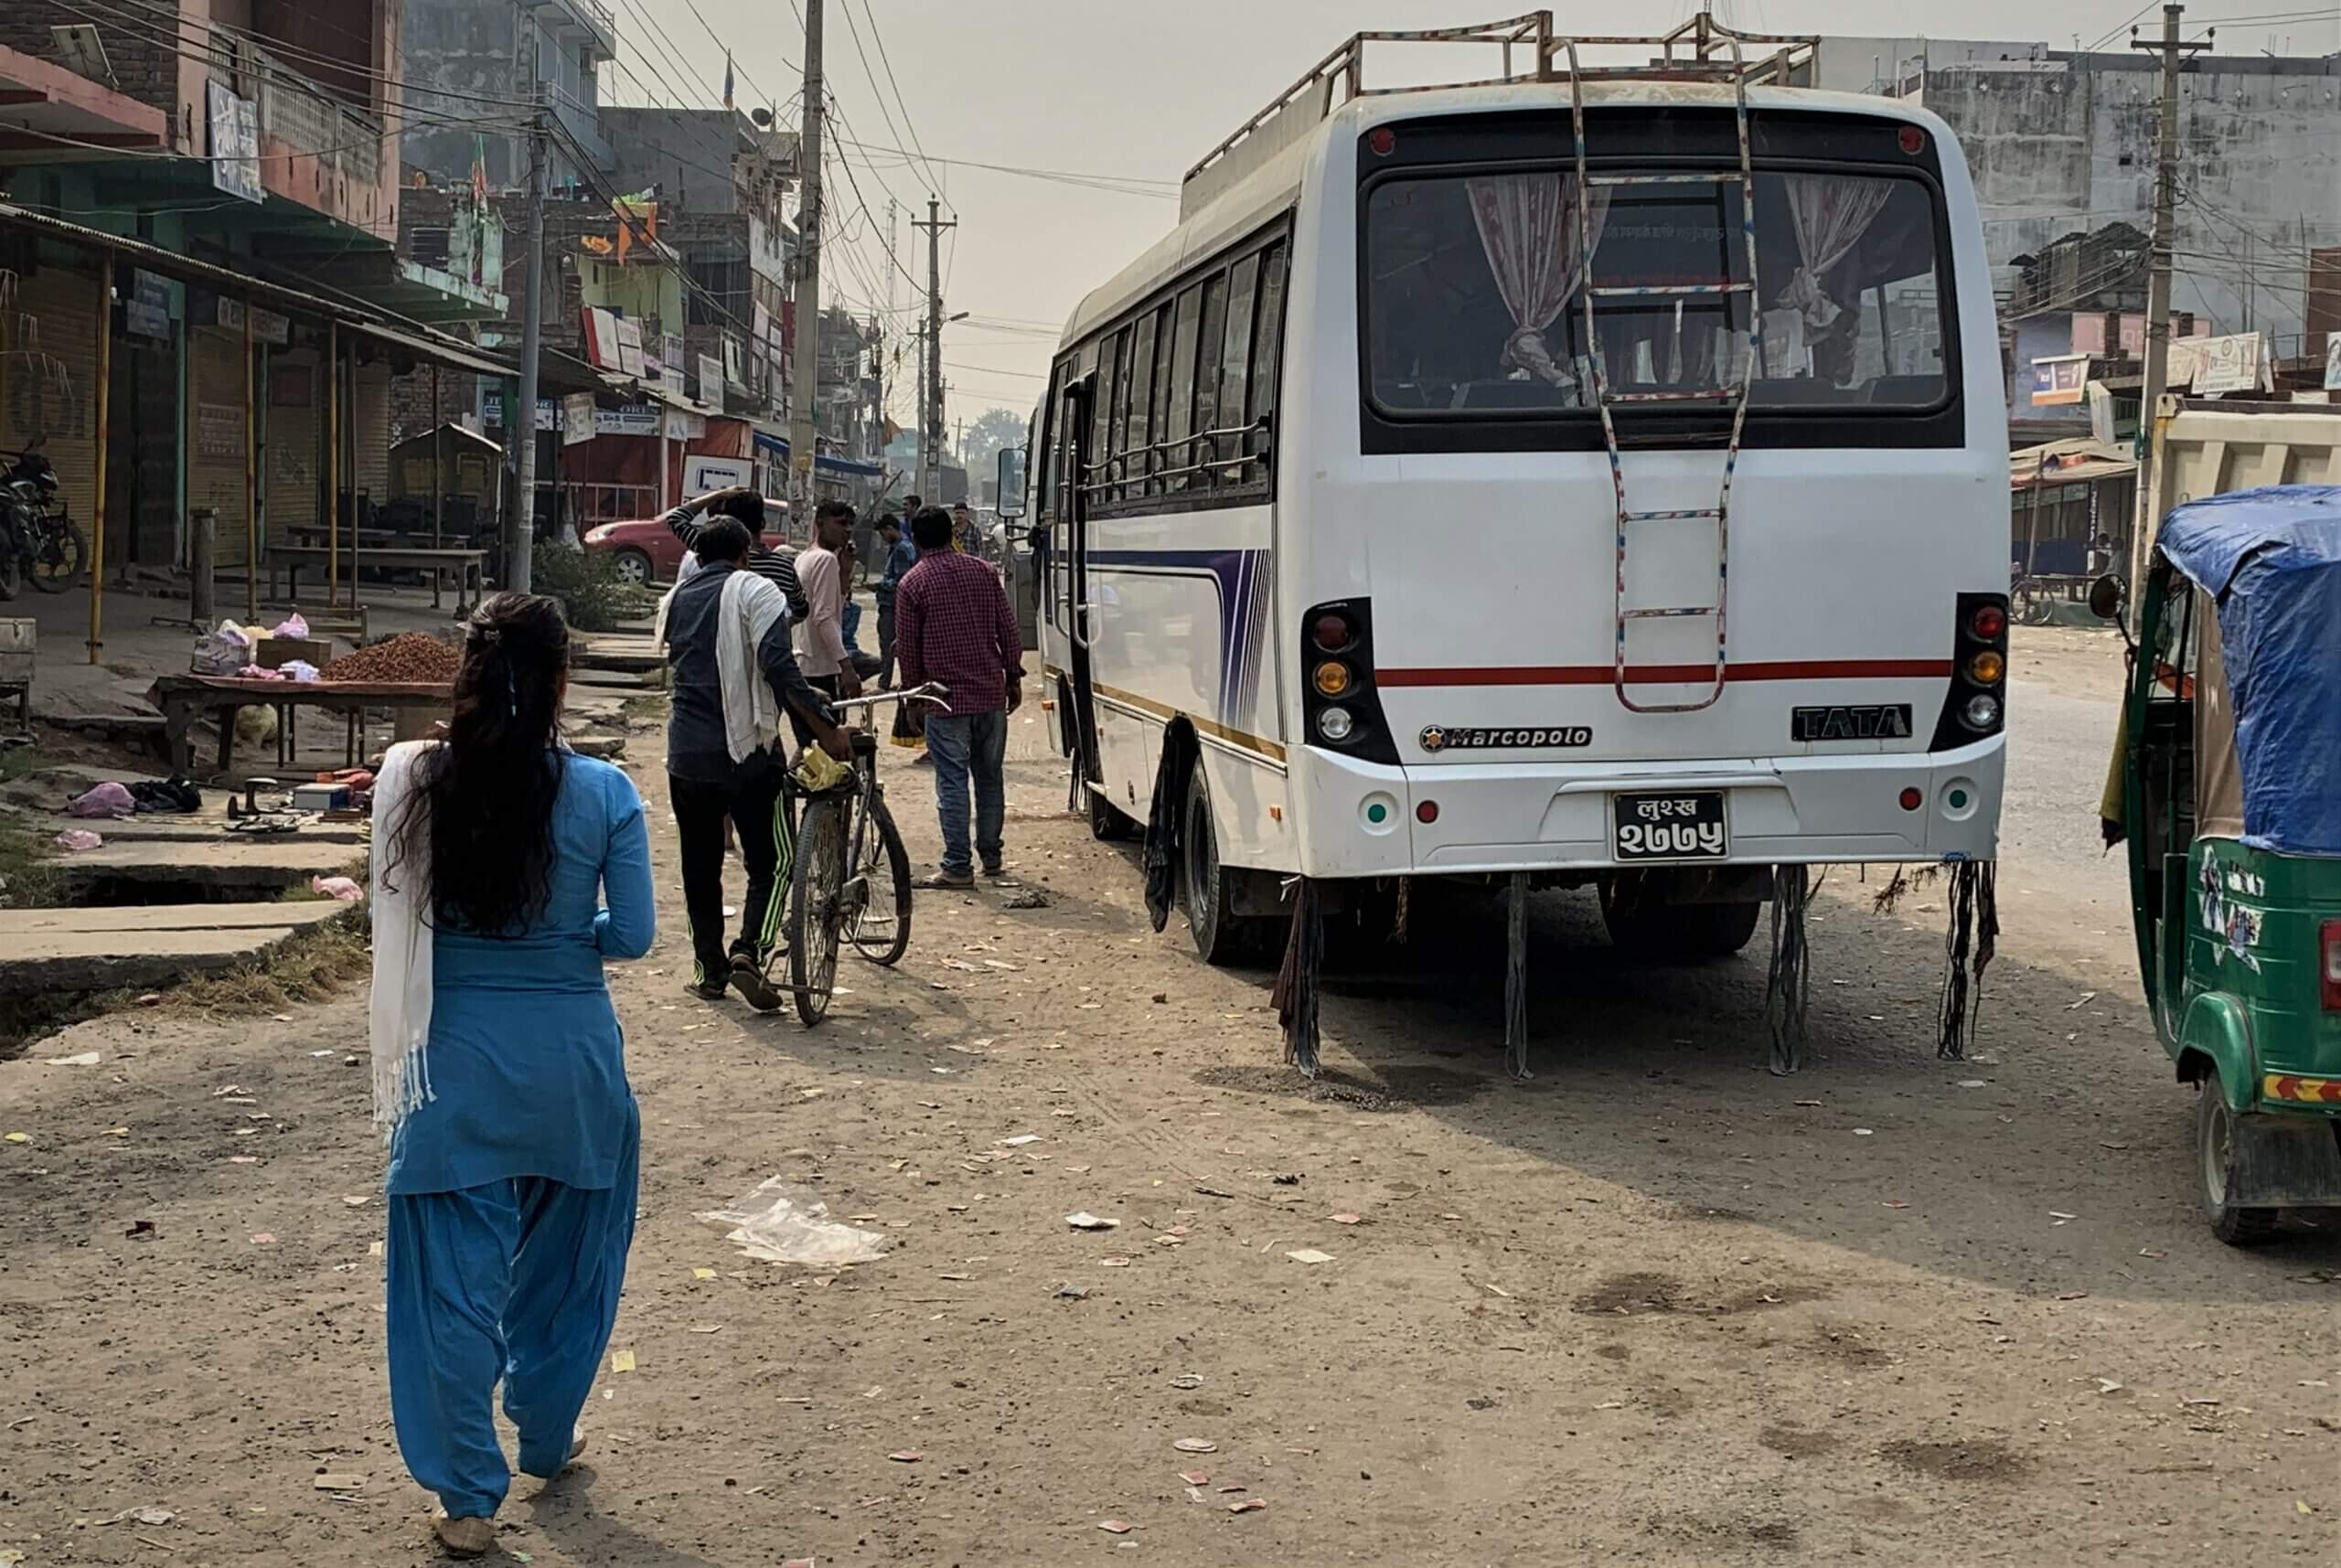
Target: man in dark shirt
711, 775
897, 556
953, 624
777, 567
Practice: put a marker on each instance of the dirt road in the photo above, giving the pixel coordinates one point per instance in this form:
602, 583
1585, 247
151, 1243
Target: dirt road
1655, 1308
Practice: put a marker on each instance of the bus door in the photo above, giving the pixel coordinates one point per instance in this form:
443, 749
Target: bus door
1079, 616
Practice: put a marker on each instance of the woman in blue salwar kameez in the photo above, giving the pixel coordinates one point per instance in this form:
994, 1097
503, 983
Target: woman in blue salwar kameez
506, 872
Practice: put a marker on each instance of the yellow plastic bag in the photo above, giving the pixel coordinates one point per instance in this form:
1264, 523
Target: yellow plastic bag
819, 771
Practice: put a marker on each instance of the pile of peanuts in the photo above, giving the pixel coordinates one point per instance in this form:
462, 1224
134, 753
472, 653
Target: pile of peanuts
408, 657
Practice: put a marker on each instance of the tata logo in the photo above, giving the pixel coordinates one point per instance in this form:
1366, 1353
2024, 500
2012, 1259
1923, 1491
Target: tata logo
1880, 722
1534, 738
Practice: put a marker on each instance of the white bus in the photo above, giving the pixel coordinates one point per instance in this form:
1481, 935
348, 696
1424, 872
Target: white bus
1422, 546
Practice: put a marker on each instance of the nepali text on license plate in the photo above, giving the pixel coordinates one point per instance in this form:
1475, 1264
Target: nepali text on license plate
1688, 826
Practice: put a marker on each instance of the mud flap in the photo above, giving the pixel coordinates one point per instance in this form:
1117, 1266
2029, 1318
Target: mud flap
2285, 1162
1787, 984
1295, 997
1163, 822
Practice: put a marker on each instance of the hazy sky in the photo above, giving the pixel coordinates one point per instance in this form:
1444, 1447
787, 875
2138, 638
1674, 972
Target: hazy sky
1138, 92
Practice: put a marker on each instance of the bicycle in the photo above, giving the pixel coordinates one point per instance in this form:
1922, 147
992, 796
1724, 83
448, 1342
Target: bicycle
852, 879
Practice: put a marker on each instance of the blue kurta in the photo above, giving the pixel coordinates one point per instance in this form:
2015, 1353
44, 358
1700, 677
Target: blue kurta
512, 1188
527, 1061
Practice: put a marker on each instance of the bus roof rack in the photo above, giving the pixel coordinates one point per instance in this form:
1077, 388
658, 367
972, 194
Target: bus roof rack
1700, 49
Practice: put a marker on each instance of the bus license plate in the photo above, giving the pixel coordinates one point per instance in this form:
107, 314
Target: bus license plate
1687, 827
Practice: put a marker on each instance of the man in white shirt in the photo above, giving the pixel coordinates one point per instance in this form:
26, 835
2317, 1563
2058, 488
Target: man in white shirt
820, 645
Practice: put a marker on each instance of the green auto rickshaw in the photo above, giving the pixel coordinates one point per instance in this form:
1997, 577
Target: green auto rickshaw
2227, 785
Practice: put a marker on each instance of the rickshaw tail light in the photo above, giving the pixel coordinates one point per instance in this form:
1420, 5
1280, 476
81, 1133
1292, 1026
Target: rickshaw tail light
2328, 965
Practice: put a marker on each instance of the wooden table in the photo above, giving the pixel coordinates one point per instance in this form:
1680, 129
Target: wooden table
469, 566
182, 697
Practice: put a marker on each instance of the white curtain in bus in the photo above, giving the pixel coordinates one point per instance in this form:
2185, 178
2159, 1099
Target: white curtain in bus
1530, 231
1830, 213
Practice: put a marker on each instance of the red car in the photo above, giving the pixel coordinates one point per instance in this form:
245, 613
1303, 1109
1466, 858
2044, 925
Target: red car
649, 551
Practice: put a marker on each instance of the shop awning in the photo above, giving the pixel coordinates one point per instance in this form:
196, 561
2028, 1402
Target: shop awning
48, 113
420, 342
431, 350
823, 462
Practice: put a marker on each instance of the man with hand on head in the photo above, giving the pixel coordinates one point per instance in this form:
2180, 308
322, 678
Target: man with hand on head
731, 671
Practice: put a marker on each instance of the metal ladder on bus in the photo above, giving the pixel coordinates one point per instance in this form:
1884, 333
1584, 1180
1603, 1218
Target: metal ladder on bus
1630, 520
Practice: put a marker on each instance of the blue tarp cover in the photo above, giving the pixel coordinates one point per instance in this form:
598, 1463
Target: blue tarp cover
2271, 561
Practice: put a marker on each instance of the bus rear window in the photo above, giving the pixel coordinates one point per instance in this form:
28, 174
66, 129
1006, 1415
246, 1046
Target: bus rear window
1474, 304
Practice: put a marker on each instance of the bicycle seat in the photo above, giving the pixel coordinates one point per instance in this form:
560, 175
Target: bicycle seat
865, 743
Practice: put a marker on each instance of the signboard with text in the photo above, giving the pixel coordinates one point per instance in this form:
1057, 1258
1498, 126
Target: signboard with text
2058, 380
234, 124
2333, 361
576, 419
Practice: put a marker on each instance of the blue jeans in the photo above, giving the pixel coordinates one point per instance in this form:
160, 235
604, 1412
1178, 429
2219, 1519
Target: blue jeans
965, 745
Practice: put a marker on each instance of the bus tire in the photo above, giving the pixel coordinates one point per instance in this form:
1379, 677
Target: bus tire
1221, 938
2214, 1162
1679, 933
1107, 824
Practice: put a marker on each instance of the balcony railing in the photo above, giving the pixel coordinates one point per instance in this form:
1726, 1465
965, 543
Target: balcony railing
306, 118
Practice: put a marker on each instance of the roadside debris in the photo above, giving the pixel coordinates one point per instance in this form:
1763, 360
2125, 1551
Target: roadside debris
1082, 1220
781, 1223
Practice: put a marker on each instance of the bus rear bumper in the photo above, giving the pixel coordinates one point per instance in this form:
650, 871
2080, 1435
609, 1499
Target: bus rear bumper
1365, 820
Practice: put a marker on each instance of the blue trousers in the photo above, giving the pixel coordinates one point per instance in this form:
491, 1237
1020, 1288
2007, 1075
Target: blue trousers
518, 1280
968, 747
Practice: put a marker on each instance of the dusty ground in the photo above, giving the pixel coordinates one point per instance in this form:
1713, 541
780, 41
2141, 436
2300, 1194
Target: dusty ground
1656, 1306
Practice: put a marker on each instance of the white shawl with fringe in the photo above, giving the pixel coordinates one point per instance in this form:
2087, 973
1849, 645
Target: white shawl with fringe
400, 1010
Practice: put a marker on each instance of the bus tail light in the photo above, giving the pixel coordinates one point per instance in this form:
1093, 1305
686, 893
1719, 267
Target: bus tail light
1341, 709
1976, 704
2328, 965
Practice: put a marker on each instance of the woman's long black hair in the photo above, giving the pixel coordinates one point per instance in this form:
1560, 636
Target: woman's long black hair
480, 811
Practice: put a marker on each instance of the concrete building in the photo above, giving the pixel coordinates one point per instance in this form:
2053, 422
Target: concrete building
2063, 142
477, 50
251, 144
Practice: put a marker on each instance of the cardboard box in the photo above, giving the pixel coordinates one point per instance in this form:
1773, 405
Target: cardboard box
275, 652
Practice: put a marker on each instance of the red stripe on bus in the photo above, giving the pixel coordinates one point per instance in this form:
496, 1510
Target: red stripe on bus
1666, 673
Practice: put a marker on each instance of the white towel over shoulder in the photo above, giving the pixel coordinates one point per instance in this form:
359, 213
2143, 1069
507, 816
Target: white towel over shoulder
752, 607
400, 1013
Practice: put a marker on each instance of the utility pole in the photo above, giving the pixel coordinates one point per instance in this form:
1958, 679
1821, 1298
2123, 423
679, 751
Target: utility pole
804, 397
930, 413
2165, 225
893, 262
521, 422
918, 415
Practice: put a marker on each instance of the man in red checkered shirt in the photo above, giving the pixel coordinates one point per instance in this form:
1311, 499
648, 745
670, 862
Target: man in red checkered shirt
952, 623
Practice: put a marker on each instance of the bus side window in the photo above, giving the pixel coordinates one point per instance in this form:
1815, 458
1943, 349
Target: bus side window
1158, 401
1267, 346
1137, 399
1044, 448
1177, 454
1234, 373
1207, 352
1101, 422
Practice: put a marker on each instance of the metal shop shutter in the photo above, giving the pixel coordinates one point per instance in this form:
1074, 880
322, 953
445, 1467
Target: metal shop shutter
295, 392
217, 429
370, 428
49, 378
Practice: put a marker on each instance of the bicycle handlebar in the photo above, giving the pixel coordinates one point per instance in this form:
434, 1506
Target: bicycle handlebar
933, 692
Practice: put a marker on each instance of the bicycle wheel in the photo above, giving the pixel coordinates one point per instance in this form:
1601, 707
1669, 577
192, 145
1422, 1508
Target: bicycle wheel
813, 912
880, 928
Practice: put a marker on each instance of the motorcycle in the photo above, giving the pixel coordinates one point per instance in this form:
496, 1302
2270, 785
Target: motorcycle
38, 543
